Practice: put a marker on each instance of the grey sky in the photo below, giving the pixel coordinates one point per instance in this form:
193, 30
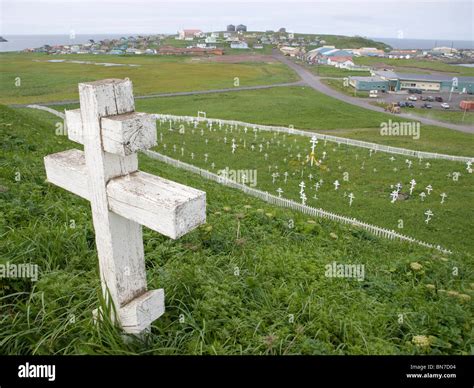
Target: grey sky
441, 19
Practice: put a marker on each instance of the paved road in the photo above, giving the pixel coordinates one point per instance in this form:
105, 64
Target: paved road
175, 94
315, 82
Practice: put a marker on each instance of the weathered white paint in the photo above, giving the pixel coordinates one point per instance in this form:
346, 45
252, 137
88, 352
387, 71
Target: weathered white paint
165, 206
123, 134
122, 198
128, 133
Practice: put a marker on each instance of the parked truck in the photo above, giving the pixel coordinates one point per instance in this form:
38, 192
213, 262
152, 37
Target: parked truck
392, 108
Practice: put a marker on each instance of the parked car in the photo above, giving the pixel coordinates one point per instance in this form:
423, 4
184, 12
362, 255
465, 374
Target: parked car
409, 105
444, 105
427, 106
414, 91
402, 104
430, 98
423, 98
373, 94
413, 98
439, 99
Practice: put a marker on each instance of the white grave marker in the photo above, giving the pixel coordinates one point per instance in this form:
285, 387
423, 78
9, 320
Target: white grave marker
122, 197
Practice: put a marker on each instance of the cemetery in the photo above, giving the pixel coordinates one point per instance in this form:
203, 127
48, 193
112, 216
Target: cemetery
242, 224
389, 189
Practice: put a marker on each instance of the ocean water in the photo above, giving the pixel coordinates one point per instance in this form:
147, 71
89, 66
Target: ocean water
21, 42
425, 44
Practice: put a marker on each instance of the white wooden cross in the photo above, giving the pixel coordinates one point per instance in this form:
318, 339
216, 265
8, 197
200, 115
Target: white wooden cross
394, 196
412, 186
122, 197
443, 197
428, 215
351, 198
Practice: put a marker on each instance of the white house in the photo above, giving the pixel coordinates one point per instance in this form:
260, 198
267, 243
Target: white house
239, 45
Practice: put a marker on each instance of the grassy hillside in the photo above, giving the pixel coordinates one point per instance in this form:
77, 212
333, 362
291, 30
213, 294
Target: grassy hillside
260, 291
415, 65
341, 41
42, 81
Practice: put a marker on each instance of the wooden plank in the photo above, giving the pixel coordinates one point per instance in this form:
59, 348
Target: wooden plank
165, 206
128, 133
135, 316
162, 205
73, 123
122, 134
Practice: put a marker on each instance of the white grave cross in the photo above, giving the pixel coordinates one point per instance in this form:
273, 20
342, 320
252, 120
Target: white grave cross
122, 197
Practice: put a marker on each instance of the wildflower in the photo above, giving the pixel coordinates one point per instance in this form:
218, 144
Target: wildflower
421, 340
416, 266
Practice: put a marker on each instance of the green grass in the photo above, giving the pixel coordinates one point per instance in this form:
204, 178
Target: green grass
305, 108
331, 71
415, 65
455, 117
236, 296
348, 90
44, 82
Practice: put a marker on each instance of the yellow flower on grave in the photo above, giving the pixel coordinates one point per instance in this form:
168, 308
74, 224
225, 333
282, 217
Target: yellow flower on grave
269, 215
311, 221
333, 235
453, 293
260, 210
247, 207
421, 340
430, 286
227, 209
416, 266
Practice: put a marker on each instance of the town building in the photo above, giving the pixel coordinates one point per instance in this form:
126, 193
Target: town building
189, 34
392, 81
230, 28
239, 45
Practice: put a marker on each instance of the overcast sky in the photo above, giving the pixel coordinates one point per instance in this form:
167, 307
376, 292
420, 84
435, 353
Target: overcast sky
411, 19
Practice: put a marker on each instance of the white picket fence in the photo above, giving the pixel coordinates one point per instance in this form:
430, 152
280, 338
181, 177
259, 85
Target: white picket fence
50, 110
334, 139
284, 202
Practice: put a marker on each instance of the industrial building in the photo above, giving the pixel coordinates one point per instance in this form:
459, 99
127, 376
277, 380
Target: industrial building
391, 81
241, 28
368, 83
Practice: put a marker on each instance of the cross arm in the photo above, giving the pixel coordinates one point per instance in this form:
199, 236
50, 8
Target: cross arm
162, 205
